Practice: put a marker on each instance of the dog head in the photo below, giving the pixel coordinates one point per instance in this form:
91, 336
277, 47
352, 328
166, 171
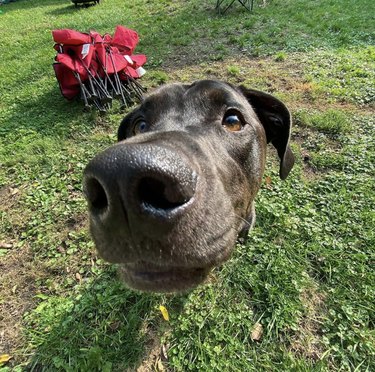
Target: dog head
169, 200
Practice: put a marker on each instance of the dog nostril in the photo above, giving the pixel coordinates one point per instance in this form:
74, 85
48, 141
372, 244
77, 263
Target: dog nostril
95, 194
157, 194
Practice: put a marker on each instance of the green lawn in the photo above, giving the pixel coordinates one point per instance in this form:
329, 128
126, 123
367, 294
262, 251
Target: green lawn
305, 276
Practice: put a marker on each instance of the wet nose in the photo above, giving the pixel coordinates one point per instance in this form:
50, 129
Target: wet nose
147, 182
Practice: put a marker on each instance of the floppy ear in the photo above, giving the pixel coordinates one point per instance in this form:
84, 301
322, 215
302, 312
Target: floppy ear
276, 120
123, 130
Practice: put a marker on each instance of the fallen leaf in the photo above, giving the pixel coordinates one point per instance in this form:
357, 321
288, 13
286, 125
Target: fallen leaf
163, 353
60, 249
268, 180
14, 191
14, 289
78, 277
164, 312
4, 358
257, 332
6, 245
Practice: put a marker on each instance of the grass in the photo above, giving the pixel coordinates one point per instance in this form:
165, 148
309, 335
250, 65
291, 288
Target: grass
305, 275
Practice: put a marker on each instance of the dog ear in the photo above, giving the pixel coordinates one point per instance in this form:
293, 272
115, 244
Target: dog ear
123, 131
276, 120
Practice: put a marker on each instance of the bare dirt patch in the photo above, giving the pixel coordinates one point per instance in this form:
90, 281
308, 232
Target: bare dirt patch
286, 78
19, 273
267, 71
9, 197
155, 354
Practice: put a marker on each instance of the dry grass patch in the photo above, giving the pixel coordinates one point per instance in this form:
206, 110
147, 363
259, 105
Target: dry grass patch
307, 341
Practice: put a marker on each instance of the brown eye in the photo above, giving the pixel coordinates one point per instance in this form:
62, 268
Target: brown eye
232, 123
139, 127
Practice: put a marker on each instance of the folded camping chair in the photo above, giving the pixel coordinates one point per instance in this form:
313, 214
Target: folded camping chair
222, 5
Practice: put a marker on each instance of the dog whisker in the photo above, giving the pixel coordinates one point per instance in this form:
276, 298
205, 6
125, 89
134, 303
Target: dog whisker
243, 219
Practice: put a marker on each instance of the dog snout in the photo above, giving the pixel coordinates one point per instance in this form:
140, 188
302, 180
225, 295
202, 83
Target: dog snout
145, 181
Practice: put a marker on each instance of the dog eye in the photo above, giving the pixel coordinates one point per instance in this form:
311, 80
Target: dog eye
232, 123
140, 126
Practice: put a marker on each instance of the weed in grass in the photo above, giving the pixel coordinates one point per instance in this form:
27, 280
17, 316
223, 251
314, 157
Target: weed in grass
157, 77
328, 160
233, 70
280, 56
331, 122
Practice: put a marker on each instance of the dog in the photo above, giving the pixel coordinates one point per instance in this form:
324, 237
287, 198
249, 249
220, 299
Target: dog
170, 199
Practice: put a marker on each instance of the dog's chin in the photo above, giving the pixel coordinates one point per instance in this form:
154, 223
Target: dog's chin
153, 278
162, 275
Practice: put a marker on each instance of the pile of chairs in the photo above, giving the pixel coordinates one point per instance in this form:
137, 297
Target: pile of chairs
99, 68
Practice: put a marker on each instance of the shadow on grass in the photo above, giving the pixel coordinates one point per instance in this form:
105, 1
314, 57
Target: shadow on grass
48, 114
103, 327
28, 4
70, 9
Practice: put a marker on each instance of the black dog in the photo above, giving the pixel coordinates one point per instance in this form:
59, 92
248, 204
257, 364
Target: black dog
170, 199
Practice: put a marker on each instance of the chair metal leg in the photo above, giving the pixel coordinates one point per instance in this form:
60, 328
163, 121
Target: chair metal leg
248, 4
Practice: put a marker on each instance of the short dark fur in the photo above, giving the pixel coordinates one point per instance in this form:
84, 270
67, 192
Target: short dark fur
169, 203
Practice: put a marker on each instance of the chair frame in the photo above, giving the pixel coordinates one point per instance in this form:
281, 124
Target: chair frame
76, 2
248, 4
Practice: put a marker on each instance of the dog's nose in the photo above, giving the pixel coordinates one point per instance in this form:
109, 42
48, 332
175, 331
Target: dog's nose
142, 182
